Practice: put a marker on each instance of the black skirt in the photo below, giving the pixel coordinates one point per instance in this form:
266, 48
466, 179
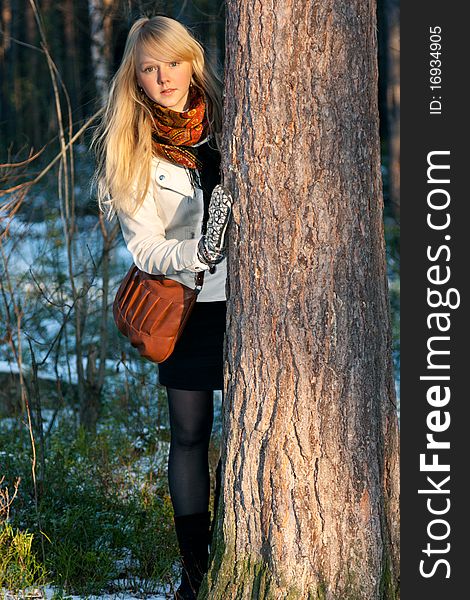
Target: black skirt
197, 360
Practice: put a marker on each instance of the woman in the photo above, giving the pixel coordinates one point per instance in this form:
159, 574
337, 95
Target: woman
159, 171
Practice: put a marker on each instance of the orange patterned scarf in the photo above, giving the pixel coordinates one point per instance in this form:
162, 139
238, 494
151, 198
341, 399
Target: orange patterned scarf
174, 133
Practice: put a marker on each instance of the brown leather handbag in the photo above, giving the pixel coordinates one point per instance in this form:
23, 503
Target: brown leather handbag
152, 310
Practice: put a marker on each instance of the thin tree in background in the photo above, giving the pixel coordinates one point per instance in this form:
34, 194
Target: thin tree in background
392, 17
72, 54
309, 499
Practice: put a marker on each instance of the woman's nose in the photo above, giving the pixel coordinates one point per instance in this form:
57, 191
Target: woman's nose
162, 75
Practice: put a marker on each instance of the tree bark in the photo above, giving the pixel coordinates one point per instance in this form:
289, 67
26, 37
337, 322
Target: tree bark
309, 498
392, 8
6, 71
14, 72
101, 33
31, 112
73, 58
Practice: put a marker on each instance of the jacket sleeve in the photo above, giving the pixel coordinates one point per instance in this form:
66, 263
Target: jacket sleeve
152, 252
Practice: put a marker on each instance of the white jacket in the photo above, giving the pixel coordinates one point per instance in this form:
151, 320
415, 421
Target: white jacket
163, 234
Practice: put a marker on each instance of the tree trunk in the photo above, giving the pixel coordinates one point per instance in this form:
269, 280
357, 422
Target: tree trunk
73, 58
31, 108
392, 8
6, 74
15, 73
309, 499
100, 33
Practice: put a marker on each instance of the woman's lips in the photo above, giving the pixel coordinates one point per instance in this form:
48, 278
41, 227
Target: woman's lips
167, 92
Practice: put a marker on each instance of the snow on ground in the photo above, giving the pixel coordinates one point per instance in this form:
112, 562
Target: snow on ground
47, 593
67, 370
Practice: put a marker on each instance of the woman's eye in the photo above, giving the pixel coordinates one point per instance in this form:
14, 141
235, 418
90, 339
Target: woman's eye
173, 63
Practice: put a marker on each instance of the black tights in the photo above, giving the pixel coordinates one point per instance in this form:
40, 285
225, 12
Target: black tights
191, 418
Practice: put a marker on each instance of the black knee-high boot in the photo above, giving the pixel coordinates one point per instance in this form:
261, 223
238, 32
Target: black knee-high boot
192, 532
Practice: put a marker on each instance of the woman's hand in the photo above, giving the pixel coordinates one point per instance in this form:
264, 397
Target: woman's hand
212, 245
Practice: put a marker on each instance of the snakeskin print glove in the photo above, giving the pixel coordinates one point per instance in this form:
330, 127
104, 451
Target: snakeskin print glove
211, 247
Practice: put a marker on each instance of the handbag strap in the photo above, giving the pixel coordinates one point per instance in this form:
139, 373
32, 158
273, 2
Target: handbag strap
199, 280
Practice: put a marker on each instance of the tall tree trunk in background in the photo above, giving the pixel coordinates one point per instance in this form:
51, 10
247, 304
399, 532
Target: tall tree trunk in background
101, 33
73, 59
392, 13
309, 498
5, 68
31, 93
50, 19
15, 72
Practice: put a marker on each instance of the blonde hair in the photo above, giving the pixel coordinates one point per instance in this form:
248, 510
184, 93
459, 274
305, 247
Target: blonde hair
122, 141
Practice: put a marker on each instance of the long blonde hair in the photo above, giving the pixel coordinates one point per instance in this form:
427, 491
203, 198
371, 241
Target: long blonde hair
122, 141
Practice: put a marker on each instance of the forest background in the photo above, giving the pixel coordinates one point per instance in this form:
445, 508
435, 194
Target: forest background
84, 430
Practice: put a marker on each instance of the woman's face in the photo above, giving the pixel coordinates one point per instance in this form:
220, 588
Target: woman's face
164, 81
